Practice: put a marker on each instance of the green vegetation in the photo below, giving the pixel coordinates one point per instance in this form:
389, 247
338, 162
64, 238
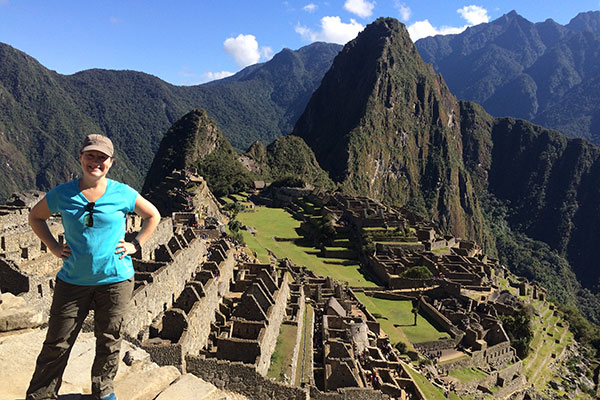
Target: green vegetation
397, 321
430, 391
306, 348
290, 162
418, 272
282, 356
47, 114
519, 329
468, 374
273, 222
545, 334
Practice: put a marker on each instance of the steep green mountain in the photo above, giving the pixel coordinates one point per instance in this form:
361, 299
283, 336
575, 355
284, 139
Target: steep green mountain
44, 115
544, 72
289, 156
384, 124
195, 143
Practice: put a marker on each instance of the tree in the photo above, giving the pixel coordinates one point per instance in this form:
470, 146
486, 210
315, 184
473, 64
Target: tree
519, 329
417, 272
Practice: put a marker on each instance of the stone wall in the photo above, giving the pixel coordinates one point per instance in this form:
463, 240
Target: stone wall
242, 378
275, 317
11, 217
508, 380
348, 394
152, 298
162, 235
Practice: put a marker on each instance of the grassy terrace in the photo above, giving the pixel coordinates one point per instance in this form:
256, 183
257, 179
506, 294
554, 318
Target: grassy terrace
305, 352
282, 356
397, 321
468, 374
430, 391
546, 333
275, 222
543, 346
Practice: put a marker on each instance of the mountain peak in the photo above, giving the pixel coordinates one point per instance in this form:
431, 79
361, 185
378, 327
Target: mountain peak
586, 22
379, 116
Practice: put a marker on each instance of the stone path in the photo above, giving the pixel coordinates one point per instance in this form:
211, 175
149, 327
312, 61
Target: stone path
141, 380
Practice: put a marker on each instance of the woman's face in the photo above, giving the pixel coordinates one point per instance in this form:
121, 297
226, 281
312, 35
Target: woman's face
95, 163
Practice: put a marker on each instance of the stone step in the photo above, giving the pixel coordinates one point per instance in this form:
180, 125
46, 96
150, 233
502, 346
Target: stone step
188, 386
138, 379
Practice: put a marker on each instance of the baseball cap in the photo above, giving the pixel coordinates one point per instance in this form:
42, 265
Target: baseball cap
97, 142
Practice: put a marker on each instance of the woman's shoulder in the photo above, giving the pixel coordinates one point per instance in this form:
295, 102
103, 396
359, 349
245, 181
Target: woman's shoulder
116, 185
120, 188
66, 188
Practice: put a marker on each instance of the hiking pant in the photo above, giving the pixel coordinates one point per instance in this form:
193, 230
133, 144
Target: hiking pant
70, 306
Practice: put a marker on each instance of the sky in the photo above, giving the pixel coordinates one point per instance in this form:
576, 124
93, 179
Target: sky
188, 42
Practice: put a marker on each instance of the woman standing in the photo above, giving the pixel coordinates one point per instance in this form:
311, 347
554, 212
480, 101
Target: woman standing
97, 271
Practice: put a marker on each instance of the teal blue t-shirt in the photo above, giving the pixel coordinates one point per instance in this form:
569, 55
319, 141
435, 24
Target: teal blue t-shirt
93, 260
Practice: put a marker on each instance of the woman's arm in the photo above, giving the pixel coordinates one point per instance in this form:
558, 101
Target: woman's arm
38, 216
150, 219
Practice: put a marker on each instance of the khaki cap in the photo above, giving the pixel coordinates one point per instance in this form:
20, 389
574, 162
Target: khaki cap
99, 143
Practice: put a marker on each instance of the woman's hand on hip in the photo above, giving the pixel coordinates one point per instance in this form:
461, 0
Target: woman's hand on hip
62, 251
125, 248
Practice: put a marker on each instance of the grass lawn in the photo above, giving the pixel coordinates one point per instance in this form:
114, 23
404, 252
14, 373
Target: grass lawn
468, 374
430, 391
282, 356
397, 320
275, 222
305, 358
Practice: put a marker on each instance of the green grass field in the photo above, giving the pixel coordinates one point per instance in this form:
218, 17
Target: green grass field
430, 391
468, 374
275, 222
397, 321
282, 356
305, 348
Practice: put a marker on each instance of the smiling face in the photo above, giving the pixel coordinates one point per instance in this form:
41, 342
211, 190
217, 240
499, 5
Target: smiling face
95, 164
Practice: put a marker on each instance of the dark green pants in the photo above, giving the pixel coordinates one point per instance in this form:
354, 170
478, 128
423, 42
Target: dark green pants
70, 306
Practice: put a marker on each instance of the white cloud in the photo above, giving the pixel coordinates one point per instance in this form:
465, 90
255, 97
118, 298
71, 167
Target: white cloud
421, 29
472, 14
211, 76
362, 8
311, 7
112, 20
403, 10
243, 49
333, 30
266, 52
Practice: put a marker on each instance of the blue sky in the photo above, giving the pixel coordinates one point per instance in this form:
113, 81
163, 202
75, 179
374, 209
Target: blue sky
186, 42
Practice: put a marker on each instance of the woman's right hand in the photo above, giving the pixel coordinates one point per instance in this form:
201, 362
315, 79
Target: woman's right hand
61, 251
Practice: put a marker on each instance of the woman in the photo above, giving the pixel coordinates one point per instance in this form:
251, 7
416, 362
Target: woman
97, 271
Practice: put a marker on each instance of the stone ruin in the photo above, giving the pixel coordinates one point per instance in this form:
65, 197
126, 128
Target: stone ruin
199, 306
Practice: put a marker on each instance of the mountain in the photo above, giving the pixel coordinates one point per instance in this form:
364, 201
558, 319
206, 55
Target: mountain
528, 194
44, 115
195, 143
543, 72
385, 125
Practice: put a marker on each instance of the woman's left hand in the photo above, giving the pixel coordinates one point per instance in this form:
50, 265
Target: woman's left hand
125, 248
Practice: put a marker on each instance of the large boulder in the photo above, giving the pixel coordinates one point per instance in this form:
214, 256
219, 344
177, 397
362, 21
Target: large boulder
16, 314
